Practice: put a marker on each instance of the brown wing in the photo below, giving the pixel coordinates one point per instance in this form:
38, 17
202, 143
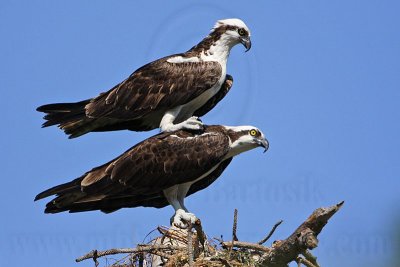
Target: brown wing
157, 200
161, 163
141, 173
212, 102
159, 85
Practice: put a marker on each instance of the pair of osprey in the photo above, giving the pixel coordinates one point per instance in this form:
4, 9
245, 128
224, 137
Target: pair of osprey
187, 156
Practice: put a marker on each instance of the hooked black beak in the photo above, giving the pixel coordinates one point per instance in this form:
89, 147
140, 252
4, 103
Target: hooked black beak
263, 142
246, 42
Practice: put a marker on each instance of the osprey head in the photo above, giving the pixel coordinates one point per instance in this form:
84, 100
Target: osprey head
233, 31
244, 138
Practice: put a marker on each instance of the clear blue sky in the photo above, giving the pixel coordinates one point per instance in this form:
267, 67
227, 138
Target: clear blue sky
322, 81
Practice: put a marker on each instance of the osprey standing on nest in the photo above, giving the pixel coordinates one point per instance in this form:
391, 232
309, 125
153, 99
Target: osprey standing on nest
169, 93
158, 171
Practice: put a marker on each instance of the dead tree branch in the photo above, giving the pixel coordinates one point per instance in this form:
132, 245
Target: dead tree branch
305, 237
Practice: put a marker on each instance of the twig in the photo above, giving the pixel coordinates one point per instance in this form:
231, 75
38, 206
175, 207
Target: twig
270, 233
247, 245
147, 248
119, 262
311, 258
224, 262
141, 259
95, 256
200, 234
120, 265
234, 236
234, 228
301, 260
190, 245
200, 239
160, 253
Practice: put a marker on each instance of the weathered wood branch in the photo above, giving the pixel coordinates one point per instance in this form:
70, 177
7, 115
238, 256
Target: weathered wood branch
246, 245
305, 237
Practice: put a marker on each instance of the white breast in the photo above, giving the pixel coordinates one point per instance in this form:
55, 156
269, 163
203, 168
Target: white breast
218, 53
189, 108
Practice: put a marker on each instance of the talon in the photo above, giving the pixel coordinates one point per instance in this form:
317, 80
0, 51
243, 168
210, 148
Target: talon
193, 123
183, 219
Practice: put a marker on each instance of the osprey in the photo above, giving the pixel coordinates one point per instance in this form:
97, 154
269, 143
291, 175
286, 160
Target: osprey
158, 171
170, 93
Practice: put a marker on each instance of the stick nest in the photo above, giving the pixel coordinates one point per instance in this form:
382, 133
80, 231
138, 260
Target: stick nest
174, 247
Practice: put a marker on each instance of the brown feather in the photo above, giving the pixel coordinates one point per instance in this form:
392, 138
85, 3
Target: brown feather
140, 93
138, 176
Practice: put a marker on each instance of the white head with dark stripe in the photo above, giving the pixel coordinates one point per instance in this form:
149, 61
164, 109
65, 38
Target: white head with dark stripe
244, 138
224, 35
233, 31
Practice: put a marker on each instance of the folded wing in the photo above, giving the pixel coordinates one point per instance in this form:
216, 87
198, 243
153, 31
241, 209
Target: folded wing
138, 176
159, 85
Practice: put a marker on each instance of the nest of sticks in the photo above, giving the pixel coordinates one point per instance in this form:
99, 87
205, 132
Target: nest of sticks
175, 247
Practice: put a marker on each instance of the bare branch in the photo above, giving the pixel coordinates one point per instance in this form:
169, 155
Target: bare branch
190, 245
234, 228
199, 231
141, 248
305, 237
311, 258
305, 262
247, 245
270, 233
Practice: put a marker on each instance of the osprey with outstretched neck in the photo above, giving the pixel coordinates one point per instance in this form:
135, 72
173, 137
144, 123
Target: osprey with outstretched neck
170, 93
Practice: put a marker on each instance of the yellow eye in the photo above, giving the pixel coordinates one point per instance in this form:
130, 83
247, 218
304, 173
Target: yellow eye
241, 31
253, 132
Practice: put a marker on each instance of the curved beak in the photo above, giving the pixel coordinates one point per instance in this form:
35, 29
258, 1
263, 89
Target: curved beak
263, 142
246, 42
